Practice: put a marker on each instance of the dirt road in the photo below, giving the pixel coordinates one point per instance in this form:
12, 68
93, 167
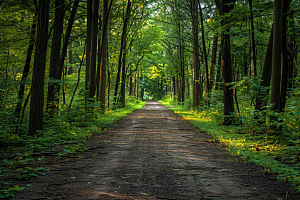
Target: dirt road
155, 154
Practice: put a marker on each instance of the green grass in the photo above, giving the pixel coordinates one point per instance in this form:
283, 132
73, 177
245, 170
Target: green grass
243, 141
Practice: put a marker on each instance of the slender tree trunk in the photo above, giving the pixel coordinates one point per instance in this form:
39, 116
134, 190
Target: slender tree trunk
122, 50
137, 86
205, 57
235, 96
276, 55
227, 66
197, 94
92, 81
130, 82
213, 61
38, 76
285, 57
78, 79
58, 72
176, 88
55, 53
104, 57
142, 89
89, 43
182, 75
25, 70
263, 91
108, 81
253, 40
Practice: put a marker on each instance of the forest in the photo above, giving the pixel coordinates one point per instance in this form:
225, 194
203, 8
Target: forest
69, 68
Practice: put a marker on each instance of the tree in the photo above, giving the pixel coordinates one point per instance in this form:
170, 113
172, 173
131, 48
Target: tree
225, 6
57, 69
213, 61
26, 68
92, 76
88, 43
55, 53
263, 91
276, 56
197, 86
103, 63
38, 76
122, 56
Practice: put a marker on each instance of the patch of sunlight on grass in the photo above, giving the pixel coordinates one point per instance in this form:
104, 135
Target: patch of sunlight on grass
240, 141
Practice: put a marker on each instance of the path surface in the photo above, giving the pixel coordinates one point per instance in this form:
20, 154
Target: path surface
155, 154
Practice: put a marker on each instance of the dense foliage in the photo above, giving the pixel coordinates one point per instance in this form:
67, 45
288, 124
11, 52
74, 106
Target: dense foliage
64, 71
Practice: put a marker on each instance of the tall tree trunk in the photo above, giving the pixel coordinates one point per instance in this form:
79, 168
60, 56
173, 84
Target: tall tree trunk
253, 39
108, 81
89, 43
25, 70
261, 100
78, 79
142, 89
213, 61
285, 57
59, 71
204, 55
226, 7
173, 88
276, 55
38, 76
123, 82
182, 82
197, 94
130, 82
103, 63
55, 53
122, 49
137, 86
92, 81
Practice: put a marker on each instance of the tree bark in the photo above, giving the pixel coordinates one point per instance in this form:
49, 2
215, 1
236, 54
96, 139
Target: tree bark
130, 82
197, 94
92, 81
285, 57
226, 7
205, 57
213, 61
253, 40
38, 76
122, 50
55, 53
59, 71
276, 55
89, 43
261, 101
103, 63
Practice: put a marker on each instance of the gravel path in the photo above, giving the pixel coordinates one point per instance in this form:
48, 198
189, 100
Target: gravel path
154, 154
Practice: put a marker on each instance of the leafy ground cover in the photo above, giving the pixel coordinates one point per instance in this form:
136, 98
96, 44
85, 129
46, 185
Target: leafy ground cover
275, 153
63, 135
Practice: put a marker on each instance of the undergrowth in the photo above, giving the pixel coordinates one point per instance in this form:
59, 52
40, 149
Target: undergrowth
276, 153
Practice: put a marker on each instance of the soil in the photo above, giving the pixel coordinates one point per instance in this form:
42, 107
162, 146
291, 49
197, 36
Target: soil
154, 154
